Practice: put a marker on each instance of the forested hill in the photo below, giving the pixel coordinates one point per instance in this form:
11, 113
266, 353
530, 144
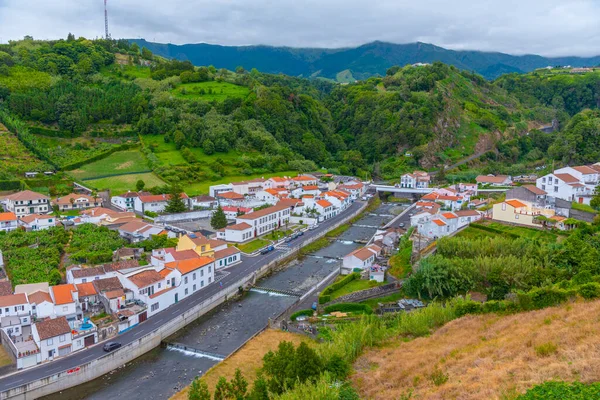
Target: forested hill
81, 98
361, 62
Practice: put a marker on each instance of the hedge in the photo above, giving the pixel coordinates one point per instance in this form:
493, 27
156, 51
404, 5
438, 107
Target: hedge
494, 230
349, 307
325, 296
300, 313
11, 185
37, 130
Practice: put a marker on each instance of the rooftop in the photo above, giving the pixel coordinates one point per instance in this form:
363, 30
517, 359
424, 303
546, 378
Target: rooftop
145, 278
107, 284
39, 297
187, 266
63, 293
53, 327
86, 289
7, 216
5, 288
26, 195
263, 212
13, 300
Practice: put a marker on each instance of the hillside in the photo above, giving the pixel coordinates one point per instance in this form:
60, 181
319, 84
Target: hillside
362, 62
486, 356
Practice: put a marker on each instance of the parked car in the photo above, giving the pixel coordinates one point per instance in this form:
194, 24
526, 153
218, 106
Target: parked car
267, 249
401, 224
314, 305
300, 233
110, 346
312, 227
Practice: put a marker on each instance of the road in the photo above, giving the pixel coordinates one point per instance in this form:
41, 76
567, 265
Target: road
245, 268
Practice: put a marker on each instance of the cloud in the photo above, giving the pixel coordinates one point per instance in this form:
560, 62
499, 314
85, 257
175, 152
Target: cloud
546, 27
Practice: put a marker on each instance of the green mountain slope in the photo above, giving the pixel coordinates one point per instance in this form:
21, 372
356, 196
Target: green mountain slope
363, 61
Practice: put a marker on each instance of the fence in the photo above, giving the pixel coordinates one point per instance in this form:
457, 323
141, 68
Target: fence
182, 217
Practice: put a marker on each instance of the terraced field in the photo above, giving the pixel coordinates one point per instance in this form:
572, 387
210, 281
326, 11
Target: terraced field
120, 162
15, 159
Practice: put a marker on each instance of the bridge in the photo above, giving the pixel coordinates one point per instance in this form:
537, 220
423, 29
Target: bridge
394, 189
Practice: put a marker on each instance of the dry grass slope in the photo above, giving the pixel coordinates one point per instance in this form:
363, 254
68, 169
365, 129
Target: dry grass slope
487, 356
248, 359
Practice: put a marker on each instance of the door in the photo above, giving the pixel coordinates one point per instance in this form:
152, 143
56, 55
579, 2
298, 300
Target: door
581, 200
143, 316
88, 341
176, 297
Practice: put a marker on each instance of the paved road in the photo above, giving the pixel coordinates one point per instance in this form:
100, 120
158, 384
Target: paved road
246, 267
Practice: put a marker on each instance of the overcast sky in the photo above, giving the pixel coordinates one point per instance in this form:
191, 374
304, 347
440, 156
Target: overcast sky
546, 27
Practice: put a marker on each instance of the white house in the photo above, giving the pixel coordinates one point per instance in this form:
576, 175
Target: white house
137, 231
325, 209
236, 233
217, 189
566, 187
126, 201
27, 202
53, 338
79, 275
248, 188
586, 174
277, 182
450, 202
16, 305
145, 284
204, 202
267, 219
8, 221
37, 222
196, 273
273, 195
76, 201
227, 257
305, 190
360, 259
418, 179
339, 198
66, 301
304, 180
155, 203
42, 305
230, 198
356, 190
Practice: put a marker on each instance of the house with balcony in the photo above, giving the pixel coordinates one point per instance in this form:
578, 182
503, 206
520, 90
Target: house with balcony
66, 301
37, 222
566, 187
520, 212
360, 259
75, 201
277, 182
42, 305
416, 180
8, 221
26, 202
53, 338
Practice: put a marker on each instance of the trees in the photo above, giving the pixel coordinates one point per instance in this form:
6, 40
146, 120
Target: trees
139, 185
288, 366
222, 390
595, 202
238, 386
198, 390
218, 219
176, 203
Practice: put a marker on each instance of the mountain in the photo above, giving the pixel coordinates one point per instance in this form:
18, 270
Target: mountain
363, 61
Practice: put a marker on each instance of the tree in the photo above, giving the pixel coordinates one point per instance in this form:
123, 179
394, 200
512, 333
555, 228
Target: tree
208, 147
140, 184
595, 202
218, 219
147, 54
135, 48
198, 390
175, 203
260, 390
222, 390
238, 385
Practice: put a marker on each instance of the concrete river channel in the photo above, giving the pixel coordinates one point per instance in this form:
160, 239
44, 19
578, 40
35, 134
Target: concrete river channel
164, 371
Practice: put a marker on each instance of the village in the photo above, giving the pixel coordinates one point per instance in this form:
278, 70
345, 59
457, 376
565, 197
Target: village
95, 303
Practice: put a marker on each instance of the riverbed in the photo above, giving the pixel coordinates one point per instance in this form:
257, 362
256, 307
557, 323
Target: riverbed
164, 371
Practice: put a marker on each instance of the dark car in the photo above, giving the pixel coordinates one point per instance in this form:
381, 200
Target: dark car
300, 233
110, 346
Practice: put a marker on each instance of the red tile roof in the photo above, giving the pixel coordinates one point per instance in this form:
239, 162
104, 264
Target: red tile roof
86, 289
8, 216
449, 215
567, 178
584, 169
239, 227
53, 327
535, 190
439, 222
491, 178
32, 217
515, 203
62, 293
187, 266
265, 211
13, 300
26, 195
231, 195
324, 203
145, 278
226, 252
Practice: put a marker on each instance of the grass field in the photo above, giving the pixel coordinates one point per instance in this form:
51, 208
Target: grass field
584, 207
123, 183
252, 246
202, 187
209, 91
4, 357
354, 286
529, 233
248, 359
69, 151
486, 356
15, 159
373, 303
116, 163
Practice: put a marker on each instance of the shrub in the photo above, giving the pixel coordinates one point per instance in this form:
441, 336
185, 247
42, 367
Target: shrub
562, 391
589, 290
546, 349
468, 307
300, 313
438, 377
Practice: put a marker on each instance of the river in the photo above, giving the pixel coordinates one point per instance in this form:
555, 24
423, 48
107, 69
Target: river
162, 372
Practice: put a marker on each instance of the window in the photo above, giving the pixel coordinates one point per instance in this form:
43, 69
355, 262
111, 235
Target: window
194, 276
209, 279
185, 280
159, 285
555, 188
186, 291
65, 308
516, 216
543, 187
194, 288
209, 269
83, 280
202, 272
79, 342
62, 338
201, 283
503, 206
49, 342
544, 179
154, 307
556, 181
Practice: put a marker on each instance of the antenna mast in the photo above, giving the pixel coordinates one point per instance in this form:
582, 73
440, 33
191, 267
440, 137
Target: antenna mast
106, 34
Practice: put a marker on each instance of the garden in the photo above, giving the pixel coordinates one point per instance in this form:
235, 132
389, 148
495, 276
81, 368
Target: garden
16, 159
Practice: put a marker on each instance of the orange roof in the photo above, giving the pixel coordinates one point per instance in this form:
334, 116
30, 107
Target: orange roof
303, 178
32, 217
324, 203
439, 222
310, 187
231, 195
515, 203
145, 278
86, 289
165, 271
430, 196
567, 178
239, 227
186, 266
558, 218
449, 215
265, 211
8, 216
13, 300
62, 293
584, 169
308, 196
278, 179
275, 191
67, 199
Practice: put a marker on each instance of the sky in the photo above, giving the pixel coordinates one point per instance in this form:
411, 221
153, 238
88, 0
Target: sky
545, 27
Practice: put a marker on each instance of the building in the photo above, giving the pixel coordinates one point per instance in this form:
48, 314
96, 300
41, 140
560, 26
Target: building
201, 245
53, 338
360, 259
76, 201
126, 201
203, 202
106, 217
195, 274
356, 190
227, 257
494, 180
339, 198
305, 190
66, 301
519, 212
449, 202
304, 180
8, 221
565, 187
37, 222
325, 209
16, 305
137, 231
277, 182
215, 190
232, 212
230, 198
155, 203
272, 195
267, 219
88, 298
236, 233
416, 180
27, 202
41, 304
529, 193
248, 188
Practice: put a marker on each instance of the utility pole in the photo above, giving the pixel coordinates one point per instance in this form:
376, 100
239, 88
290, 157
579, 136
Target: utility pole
106, 34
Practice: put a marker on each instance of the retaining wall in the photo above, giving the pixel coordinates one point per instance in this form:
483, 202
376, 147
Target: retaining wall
96, 368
